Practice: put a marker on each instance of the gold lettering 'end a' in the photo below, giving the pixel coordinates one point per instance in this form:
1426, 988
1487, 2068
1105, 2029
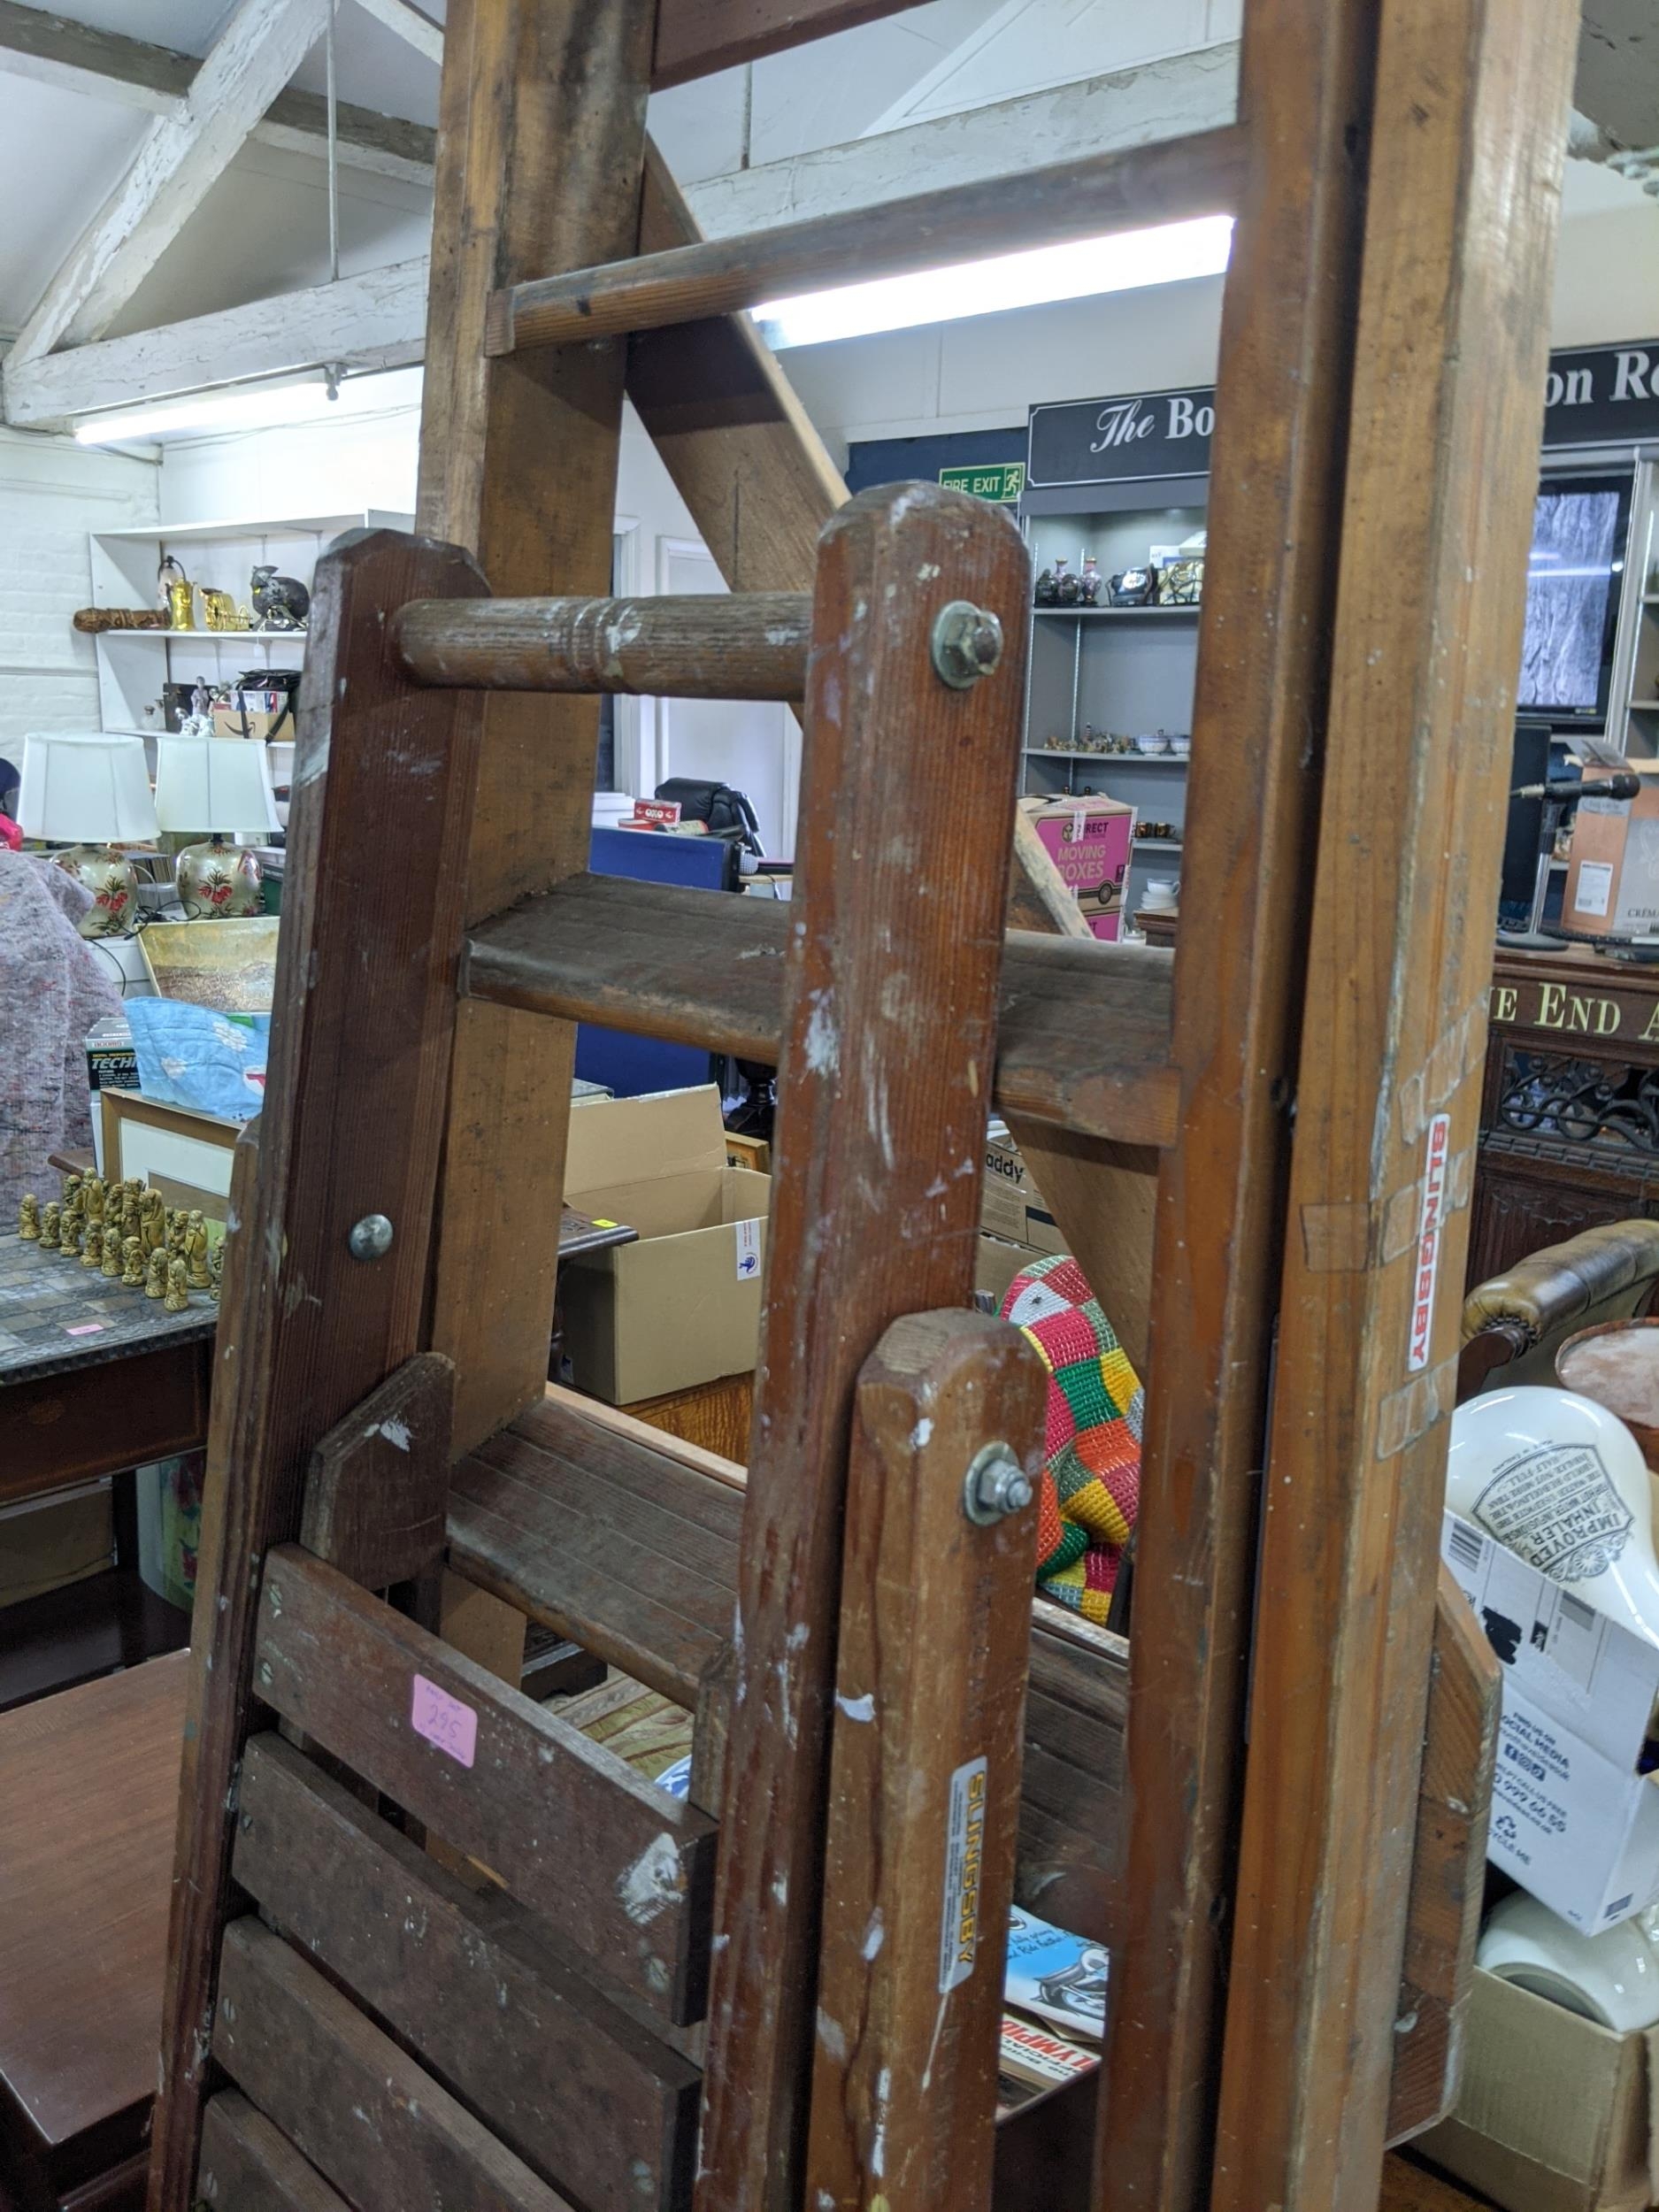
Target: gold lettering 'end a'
1504, 1000
1552, 1005
1650, 1035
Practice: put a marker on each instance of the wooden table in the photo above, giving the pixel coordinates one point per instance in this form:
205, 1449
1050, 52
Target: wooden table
89, 1798
1569, 1108
96, 1378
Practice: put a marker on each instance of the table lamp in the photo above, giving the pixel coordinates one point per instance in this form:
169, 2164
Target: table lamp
91, 793
220, 785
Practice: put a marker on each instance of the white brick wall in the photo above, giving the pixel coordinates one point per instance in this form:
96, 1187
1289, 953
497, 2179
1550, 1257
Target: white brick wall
53, 494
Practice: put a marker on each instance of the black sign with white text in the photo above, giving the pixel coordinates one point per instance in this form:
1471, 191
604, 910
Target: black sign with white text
1595, 396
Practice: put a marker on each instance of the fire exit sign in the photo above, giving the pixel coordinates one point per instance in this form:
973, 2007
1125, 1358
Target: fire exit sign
1001, 481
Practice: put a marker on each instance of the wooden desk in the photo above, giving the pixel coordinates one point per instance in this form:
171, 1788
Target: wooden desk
1570, 1110
89, 1798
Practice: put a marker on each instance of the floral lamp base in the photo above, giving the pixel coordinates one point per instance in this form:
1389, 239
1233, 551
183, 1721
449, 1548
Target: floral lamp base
113, 886
218, 882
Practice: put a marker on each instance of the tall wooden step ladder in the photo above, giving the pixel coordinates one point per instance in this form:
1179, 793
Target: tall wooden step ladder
431, 1947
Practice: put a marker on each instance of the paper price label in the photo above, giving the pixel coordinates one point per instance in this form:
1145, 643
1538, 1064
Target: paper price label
964, 1857
747, 1250
444, 1721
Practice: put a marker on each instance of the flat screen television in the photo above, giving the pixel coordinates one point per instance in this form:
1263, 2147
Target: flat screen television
1579, 527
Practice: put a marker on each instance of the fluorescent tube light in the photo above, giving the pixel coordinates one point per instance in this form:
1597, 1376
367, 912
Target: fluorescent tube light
253, 407
1165, 255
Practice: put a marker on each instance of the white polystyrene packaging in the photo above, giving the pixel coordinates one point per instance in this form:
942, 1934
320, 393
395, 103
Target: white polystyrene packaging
1561, 1482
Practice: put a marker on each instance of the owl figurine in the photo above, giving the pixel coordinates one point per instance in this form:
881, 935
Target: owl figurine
156, 1274
29, 1218
177, 1293
49, 1220
111, 1263
133, 1263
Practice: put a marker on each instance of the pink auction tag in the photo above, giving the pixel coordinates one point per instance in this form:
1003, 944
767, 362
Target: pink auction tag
444, 1721
87, 1328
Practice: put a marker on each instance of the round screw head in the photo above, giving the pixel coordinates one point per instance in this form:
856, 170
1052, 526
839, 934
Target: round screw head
996, 1486
967, 643
371, 1239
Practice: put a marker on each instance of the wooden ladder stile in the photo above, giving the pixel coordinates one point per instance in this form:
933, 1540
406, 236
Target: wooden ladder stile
430, 1940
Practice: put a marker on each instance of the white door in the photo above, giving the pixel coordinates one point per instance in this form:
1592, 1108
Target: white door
754, 745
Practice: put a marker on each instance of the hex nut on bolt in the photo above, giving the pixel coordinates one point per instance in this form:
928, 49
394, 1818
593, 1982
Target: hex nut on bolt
967, 643
995, 1487
370, 1238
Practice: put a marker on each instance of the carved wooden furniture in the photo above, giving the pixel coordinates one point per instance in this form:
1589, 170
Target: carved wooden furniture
89, 1786
1394, 172
1569, 1108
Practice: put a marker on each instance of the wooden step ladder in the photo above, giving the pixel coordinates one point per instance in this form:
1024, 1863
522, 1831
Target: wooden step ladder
743, 2002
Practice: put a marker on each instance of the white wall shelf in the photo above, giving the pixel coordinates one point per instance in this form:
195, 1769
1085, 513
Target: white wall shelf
1116, 614
267, 525
293, 638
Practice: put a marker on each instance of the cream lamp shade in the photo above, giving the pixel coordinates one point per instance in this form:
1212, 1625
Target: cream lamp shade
90, 790
213, 783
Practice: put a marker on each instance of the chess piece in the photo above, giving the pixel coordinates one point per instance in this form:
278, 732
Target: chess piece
178, 1294
196, 1251
92, 1195
70, 1191
152, 1220
29, 1218
156, 1274
129, 1210
111, 1252
93, 1256
69, 1234
216, 1269
49, 1220
133, 1263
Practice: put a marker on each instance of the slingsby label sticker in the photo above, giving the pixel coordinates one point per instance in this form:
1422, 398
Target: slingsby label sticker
965, 1860
1556, 1506
1436, 1159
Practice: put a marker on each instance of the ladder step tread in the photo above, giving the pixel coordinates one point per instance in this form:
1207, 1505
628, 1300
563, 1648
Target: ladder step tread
1083, 1042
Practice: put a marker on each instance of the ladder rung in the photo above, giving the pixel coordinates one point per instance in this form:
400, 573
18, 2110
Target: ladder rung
1083, 1042
1126, 189
752, 645
526, 1511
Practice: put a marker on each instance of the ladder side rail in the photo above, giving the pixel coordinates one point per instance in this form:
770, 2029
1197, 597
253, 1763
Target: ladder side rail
540, 139
879, 1152
1274, 519
1465, 158
364, 1018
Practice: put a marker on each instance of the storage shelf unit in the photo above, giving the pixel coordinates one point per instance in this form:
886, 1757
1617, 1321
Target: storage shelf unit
220, 553
1116, 614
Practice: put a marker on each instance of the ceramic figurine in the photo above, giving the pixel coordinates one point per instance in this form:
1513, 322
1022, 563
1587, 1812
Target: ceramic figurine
49, 1226
1065, 583
152, 1220
92, 1196
1047, 592
1091, 583
112, 1248
156, 1275
196, 1251
93, 1254
29, 1218
178, 1294
176, 1226
69, 1234
71, 1190
280, 602
216, 1269
133, 1263
129, 1210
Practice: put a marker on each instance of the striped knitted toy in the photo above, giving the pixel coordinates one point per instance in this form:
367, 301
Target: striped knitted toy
1091, 1486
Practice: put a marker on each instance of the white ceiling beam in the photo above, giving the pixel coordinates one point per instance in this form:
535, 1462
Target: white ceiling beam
130, 72
417, 30
377, 320
179, 160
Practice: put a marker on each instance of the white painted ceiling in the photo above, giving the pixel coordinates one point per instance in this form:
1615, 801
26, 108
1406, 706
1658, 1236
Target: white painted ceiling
264, 228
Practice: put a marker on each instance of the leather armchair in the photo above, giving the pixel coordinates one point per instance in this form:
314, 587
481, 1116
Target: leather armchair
1514, 1323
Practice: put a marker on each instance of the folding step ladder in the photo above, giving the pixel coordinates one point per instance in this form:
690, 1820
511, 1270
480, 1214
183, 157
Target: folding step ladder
747, 2002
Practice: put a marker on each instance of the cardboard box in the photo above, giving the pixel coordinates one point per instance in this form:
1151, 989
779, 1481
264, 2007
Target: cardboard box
185, 1156
1554, 2114
1572, 1820
997, 1263
259, 712
48, 1542
1089, 840
682, 1306
1010, 1205
1613, 879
